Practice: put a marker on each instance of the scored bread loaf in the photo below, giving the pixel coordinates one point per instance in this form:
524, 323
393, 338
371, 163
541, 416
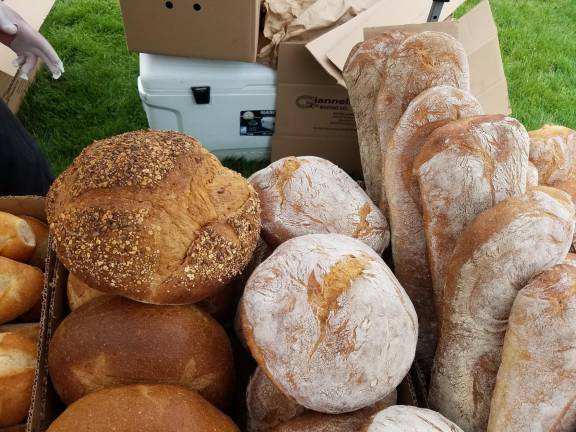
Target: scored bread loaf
153, 216
40, 230
431, 109
401, 418
363, 74
536, 384
143, 408
266, 405
421, 61
310, 195
17, 239
532, 176
335, 331
17, 365
553, 152
465, 168
495, 256
115, 341
20, 288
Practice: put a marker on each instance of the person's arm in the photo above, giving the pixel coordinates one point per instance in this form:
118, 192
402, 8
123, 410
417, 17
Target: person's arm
27, 43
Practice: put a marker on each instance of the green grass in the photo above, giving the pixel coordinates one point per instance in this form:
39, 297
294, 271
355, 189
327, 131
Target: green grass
97, 96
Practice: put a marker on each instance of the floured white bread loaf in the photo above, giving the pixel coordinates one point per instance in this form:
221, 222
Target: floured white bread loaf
532, 176
568, 186
329, 323
421, 61
431, 109
536, 385
401, 418
267, 406
495, 257
553, 152
363, 74
153, 216
466, 167
310, 195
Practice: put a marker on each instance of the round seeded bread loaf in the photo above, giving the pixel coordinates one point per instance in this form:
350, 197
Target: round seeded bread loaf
329, 323
154, 217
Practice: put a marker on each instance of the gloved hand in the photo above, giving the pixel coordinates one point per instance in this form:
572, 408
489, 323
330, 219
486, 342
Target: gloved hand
28, 44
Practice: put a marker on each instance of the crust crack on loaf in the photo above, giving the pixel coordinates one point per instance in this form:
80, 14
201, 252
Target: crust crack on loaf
496, 255
310, 195
421, 61
329, 323
536, 385
153, 216
430, 110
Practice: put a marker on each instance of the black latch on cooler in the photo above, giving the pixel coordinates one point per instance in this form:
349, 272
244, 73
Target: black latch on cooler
201, 95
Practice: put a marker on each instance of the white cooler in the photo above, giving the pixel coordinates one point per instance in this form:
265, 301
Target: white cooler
228, 106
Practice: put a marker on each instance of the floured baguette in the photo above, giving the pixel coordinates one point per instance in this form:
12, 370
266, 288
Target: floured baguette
536, 385
421, 61
410, 419
553, 152
363, 74
465, 168
431, 109
496, 255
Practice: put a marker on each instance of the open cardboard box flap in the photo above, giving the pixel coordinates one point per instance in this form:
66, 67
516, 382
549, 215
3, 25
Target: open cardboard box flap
476, 31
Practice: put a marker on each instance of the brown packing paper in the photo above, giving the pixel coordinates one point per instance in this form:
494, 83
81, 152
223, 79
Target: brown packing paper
303, 20
331, 49
478, 33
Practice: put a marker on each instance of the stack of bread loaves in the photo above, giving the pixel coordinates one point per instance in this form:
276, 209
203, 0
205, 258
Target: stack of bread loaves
23, 241
469, 229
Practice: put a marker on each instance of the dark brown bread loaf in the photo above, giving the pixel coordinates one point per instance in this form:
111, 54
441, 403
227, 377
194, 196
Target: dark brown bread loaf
114, 341
154, 217
143, 408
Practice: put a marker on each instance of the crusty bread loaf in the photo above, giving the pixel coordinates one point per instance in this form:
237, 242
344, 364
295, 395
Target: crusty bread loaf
20, 288
266, 405
115, 341
28, 330
153, 216
553, 152
421, 61
431, 109
363, 74
79, 293
568, 186
17, 239
536, 385
334, 330
465, 168
496, 255
17, 365
532, 176
143, 408
40, 230
401, 418
310, 195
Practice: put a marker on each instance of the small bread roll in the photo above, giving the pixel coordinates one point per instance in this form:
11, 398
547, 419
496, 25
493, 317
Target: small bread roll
20, 288
17, 366
310, 195
40, 230
402, 418
17, 239
267, 406
115, 341
153, 216
327, 320
143, 408
28, 330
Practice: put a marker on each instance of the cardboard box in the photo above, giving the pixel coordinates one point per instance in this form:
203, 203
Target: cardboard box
12, 88
224, 29
30, 206
313, 113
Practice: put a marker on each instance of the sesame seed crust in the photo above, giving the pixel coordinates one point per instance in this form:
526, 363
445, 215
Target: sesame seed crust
154, 217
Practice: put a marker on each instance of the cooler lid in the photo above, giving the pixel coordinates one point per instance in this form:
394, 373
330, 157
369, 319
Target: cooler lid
164, 73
